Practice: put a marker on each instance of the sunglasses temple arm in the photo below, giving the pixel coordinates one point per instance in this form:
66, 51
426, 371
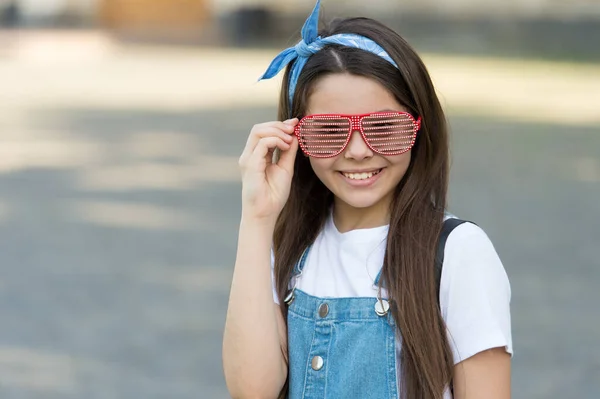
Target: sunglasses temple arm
418, 121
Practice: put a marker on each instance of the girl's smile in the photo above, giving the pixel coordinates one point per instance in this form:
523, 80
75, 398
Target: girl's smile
362, 178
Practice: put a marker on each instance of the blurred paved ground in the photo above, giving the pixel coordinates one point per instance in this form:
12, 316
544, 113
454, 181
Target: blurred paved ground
119, 204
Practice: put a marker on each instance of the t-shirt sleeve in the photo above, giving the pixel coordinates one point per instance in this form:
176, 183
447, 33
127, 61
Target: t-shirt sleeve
275, 297
474, 294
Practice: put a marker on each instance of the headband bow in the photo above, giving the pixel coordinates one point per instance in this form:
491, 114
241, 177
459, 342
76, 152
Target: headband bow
311, 43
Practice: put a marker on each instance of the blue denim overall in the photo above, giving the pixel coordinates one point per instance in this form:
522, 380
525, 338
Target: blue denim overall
340, 348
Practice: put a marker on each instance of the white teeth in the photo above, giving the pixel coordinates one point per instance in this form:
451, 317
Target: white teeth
360, 176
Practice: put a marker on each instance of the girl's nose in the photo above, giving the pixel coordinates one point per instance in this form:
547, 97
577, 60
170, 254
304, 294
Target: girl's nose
357, 148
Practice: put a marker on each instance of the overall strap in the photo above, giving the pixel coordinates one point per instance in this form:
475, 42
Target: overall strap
299, 266
296, 275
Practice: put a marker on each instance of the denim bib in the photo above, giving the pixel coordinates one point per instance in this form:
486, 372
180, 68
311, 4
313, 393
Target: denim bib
340, 347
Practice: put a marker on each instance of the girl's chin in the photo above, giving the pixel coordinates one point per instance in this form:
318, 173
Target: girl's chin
358, 201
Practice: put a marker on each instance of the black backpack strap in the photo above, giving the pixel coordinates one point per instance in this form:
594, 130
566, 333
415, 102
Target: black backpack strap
449, 225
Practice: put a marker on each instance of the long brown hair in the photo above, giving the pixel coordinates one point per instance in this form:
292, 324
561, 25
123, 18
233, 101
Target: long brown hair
417, 208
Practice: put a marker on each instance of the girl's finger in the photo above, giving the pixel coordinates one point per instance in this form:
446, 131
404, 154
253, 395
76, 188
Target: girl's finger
258, 159
262, 131
267, 131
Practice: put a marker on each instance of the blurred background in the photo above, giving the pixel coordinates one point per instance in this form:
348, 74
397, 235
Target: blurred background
121, 123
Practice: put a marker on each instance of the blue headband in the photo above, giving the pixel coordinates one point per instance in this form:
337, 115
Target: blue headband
311, 44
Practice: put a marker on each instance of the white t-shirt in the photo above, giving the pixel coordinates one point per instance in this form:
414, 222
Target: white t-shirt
474, 289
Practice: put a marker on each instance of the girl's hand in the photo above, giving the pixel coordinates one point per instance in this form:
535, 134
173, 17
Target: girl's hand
266, 185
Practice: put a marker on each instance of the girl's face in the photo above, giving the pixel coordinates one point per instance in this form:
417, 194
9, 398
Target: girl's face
358, 177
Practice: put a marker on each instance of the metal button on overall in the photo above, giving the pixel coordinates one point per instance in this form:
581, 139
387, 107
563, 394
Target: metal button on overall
323, 310
317, 363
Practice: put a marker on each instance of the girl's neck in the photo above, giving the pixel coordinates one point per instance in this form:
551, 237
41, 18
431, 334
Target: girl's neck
347, 218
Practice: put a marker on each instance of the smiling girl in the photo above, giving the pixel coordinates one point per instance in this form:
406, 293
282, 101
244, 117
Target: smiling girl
351, 278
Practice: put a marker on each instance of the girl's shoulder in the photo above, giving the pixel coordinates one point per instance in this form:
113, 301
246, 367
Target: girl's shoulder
468, 241
475, 293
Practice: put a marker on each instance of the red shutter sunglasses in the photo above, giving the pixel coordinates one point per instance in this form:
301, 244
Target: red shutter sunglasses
386, 133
